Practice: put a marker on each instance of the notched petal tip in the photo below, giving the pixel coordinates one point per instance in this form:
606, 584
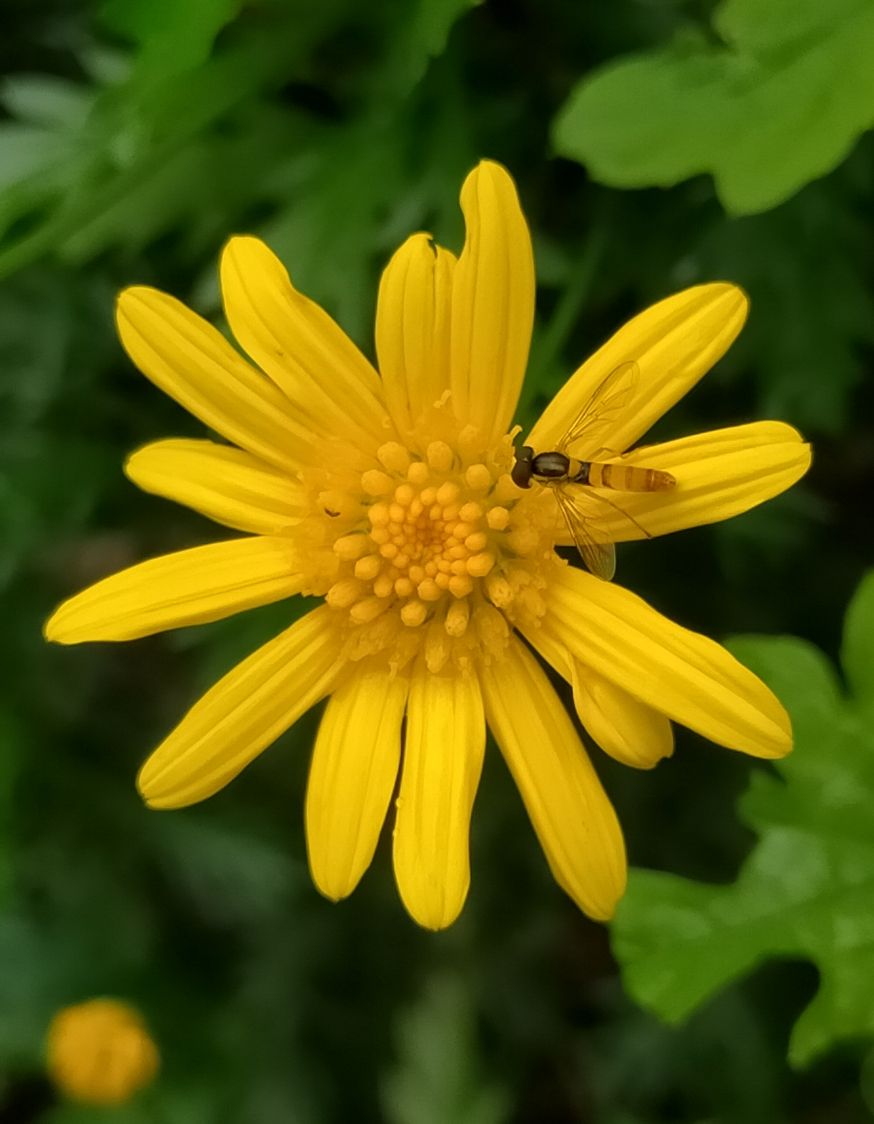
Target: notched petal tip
490, 168
133, 461
433, 903
64, 625
439, 928
734, 304
725, 306
607, 910
52, 629
600, 904
337, 880
158, 805
727, 298
239, 241
243, 243
148, 786
781, 742
156, 795
738, 295
421, 241
334, 899
435, 921
134, 298
246, 255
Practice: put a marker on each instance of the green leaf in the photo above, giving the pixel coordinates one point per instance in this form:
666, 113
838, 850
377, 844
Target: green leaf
779, 102
24, 152
42, 99
419, 37
806, 889
857, 655
173, 36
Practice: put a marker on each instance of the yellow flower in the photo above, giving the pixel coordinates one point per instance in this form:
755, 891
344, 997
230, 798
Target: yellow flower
100, 1052
388, 496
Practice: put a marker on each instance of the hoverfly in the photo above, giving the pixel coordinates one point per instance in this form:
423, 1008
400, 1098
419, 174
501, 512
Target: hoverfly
573, 481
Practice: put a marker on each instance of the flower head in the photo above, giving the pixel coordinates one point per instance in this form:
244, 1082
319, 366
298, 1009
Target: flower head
100, 1052
390, 498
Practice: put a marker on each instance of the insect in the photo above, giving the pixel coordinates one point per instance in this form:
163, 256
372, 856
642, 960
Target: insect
574, 481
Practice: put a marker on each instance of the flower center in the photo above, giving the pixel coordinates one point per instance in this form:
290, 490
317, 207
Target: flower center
435, 551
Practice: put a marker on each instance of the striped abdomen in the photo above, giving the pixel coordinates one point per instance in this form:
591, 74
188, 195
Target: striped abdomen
625, 477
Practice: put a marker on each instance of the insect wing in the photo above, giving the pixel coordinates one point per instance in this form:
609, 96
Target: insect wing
611, 397
597, 497
597, 552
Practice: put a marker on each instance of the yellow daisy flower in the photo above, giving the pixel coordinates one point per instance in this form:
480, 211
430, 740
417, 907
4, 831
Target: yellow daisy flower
100, 1052
389, 497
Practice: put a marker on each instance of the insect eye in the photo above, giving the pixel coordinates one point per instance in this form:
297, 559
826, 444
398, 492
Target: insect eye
520, 474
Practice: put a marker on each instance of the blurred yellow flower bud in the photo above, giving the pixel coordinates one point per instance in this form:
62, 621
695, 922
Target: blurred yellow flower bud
100, 1052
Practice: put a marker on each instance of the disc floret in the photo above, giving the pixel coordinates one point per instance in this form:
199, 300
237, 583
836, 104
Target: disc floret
436, 551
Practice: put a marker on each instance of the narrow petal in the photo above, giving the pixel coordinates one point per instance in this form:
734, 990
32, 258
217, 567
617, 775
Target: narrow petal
673, 343
412, 328
299, 346
570, 811
622, 725
443, 756
492, 303
352, 777
192, 362
244, 713
719, 475
682, 674
225, 484
193, 586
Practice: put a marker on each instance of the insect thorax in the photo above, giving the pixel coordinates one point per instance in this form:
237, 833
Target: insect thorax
550, 466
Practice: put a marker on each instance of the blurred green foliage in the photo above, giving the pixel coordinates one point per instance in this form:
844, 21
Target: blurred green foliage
134, 138
436, 1077
807, 888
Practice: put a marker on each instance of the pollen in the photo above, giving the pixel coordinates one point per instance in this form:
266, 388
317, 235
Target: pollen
434, 551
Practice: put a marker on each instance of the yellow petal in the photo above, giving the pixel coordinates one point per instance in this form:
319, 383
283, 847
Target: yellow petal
192, 362
570, 811
443, 756
686, 676
621, 724
492, 303
412, 328
624, 727
719, 475
674, 343
225, 484
189, 587
352, 776
244, 713
299, 346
